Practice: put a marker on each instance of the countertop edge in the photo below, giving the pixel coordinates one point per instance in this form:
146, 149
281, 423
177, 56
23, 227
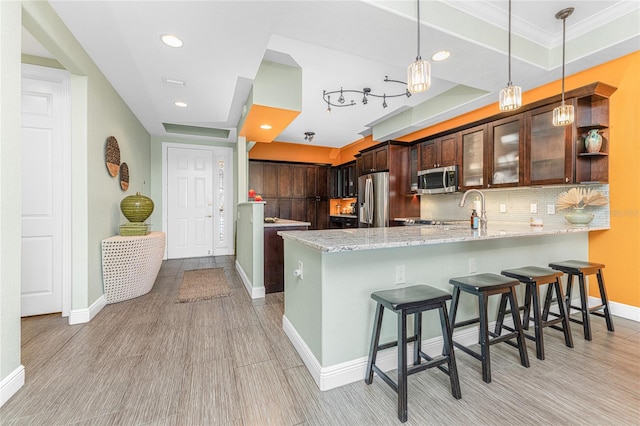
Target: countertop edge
333, 241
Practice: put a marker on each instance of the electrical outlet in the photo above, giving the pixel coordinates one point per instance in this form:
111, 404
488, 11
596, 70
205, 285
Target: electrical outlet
551, 209
472, 265
301, 269
503, 208
400, 274
533, 208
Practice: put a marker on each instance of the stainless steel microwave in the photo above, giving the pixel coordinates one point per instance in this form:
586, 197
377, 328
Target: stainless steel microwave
438, 181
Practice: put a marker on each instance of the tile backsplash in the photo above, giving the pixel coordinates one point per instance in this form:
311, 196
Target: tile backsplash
517, 202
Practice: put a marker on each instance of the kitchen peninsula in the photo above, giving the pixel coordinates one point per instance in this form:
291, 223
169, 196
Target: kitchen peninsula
328, 311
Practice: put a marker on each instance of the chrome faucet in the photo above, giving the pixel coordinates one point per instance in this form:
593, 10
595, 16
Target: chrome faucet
483, 213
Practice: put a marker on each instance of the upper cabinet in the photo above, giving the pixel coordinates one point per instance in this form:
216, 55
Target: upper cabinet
344, 181
524, 147
549, 149
375, 159
438, 152
473, 157
506, 152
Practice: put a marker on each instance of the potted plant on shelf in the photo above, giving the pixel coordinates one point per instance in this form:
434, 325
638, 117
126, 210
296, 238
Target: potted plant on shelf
577, 199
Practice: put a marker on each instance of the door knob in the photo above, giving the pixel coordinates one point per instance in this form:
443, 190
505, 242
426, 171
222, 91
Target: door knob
209, 215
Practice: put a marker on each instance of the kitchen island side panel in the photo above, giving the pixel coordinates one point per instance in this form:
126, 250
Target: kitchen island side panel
304, 312
335, 319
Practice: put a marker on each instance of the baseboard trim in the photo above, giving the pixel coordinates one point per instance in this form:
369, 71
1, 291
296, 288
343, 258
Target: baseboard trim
11, 384
617, 309
80, 316
254, 292
337, 375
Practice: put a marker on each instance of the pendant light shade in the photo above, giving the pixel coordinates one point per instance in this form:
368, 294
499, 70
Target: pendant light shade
419, 76
564, 114
510, 96
419, 72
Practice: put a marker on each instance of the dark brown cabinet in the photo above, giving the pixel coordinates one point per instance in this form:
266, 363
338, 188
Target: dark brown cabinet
375, 159
292, 190
506, 152
549, 149
473, 157
274, 257
438, 152
343, 181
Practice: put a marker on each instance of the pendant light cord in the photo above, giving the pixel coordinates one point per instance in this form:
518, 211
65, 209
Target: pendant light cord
418, 57
564, 24
509, 83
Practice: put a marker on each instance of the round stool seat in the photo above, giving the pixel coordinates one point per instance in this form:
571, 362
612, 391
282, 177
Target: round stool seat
407, 298
483, 282
577, 266
530, 274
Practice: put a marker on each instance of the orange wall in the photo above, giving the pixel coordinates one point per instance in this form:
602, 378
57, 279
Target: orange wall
619, 247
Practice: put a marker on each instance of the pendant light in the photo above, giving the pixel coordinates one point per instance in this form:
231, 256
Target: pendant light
563, 115
419, 72
510, 96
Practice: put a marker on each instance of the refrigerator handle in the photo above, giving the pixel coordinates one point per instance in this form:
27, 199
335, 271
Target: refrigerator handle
370, 201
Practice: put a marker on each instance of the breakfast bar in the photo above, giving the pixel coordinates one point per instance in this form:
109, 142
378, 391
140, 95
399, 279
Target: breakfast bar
330, 275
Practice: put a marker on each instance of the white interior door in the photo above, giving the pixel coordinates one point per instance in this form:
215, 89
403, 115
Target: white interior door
189, 202
42, 195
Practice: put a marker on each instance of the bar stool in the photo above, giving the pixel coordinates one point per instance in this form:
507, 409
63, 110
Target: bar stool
534, 277
483, 286
406, 301
581, 268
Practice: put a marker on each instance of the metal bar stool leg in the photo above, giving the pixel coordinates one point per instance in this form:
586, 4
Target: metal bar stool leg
484, 337
448, 352
568, 340
417, 332
375, 341
402, 366
605, 300
537, 321
515, 315
584, 305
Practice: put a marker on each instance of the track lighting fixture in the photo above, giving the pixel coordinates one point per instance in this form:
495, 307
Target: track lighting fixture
366, 94
308, 136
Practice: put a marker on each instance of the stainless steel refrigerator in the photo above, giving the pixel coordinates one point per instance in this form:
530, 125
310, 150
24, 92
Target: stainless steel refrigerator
373, 200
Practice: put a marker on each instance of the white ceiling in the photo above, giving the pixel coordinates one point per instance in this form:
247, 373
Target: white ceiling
350, 44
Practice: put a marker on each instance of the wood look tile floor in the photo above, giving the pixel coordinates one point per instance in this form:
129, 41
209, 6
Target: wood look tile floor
226, 361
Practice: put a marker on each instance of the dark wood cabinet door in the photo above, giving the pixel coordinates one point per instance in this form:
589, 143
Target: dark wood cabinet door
368, 164
298, 176
271, 207
284, 208
447, 150
322, 183
270, 188
285, 183
322, 214
299, 209
428, 155
506, 152
256, 176
311, 212
382, 158
310, 180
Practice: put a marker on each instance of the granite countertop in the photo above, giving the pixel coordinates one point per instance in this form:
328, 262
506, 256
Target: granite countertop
281, 223
339, 240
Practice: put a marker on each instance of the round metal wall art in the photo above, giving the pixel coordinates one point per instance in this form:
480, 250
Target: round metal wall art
112, 155
124, 176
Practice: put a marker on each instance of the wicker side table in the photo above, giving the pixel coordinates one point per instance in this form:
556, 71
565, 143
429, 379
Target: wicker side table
130, 265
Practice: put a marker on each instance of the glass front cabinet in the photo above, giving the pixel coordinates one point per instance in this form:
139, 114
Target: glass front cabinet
472, 142
506, 152
549, 149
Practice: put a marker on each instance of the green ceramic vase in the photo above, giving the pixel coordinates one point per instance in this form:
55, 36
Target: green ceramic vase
136, 208
579, 217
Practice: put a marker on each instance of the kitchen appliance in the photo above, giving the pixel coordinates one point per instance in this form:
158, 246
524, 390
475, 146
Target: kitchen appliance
373, 200
438, 181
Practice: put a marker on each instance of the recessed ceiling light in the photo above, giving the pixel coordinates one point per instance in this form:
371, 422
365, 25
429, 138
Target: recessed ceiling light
171, 40
265, 126
180, 104
441, 55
